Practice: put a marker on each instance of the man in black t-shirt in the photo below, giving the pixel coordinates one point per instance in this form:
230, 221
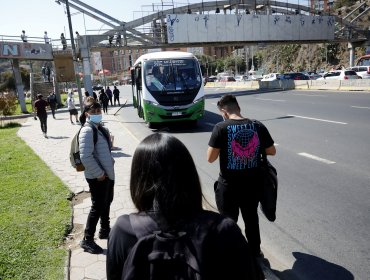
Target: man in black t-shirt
238, 142
40, 108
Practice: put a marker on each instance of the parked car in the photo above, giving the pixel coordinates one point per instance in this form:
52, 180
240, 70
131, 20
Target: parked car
313, 75
240, 78
294, 76
211, 79
227, 79
271, 77
362, 71
340, 75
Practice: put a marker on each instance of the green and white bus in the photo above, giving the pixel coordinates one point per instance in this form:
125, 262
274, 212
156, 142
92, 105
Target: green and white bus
167, 87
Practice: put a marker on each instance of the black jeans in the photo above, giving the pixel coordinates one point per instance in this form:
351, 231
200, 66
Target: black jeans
43, 119
52, 108
102, 193
241, 193
116, 98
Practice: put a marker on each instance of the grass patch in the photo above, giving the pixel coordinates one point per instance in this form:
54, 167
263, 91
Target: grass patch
18, 110
34, 213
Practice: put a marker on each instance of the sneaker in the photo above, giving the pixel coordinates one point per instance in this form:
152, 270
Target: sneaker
91, 247
72, 122
104, 234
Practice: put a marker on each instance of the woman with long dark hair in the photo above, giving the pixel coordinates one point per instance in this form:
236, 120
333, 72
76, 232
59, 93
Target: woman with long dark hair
165, 188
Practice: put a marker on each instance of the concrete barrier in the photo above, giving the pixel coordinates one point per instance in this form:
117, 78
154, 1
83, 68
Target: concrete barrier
345, 85
325, 84
358, 85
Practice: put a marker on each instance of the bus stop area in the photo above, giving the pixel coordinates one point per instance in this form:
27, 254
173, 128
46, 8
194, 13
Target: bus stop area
54, 151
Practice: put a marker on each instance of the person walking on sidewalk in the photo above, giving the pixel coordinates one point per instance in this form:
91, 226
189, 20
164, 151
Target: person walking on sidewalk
72, 108
238, 141
167, 193
116, 96
103, 99
52, 100
99, 174
110, 95
40, 108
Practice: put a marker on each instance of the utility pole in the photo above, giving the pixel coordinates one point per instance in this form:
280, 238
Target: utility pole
74, 57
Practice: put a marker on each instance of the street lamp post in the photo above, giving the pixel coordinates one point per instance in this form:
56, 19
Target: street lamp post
74, 57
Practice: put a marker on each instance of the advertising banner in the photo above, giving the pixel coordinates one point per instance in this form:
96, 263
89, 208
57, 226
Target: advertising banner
17, 50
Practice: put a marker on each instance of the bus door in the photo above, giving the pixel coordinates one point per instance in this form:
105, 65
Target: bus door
136, 81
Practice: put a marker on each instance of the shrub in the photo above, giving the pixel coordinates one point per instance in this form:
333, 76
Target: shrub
8, 104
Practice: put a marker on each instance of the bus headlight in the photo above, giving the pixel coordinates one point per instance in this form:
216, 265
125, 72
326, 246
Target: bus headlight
198, 100
147, 102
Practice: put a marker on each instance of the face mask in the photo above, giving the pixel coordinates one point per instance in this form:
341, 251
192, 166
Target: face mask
96, 118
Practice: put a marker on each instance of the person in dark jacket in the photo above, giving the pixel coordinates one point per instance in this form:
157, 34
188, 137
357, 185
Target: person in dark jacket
165, 186
53, 102
110, 95
116, 96
103, 100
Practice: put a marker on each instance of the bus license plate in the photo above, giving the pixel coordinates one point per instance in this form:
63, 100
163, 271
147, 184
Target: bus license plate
176, 113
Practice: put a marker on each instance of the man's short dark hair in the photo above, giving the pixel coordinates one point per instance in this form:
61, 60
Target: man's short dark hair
228, 102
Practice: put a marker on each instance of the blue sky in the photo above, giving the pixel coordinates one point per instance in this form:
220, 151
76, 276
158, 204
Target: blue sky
37, 16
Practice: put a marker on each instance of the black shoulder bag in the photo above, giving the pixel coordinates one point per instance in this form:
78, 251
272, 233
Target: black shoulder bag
268, 195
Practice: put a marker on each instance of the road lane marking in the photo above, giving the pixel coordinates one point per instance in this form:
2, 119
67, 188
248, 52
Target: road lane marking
314, 95
316, 158
315, 119
359, 107
277, 100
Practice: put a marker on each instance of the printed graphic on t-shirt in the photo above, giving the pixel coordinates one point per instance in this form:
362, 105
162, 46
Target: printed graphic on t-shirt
242, 147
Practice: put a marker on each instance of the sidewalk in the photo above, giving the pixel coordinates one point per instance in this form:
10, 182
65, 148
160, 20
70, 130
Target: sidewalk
55, 152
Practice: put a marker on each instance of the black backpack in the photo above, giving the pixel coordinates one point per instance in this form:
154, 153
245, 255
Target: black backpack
160, 255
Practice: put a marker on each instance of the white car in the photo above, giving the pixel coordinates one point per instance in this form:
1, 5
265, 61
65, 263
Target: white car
362, 71
271, 77
340, 75
240, 78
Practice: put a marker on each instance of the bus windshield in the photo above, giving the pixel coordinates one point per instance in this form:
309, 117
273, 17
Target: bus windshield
172, 76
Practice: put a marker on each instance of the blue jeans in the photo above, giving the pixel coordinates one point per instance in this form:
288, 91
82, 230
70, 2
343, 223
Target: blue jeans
101, 198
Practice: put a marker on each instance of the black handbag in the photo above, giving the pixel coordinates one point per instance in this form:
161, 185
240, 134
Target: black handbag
268, 196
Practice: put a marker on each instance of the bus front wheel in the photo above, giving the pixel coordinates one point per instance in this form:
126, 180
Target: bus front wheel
152, 125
